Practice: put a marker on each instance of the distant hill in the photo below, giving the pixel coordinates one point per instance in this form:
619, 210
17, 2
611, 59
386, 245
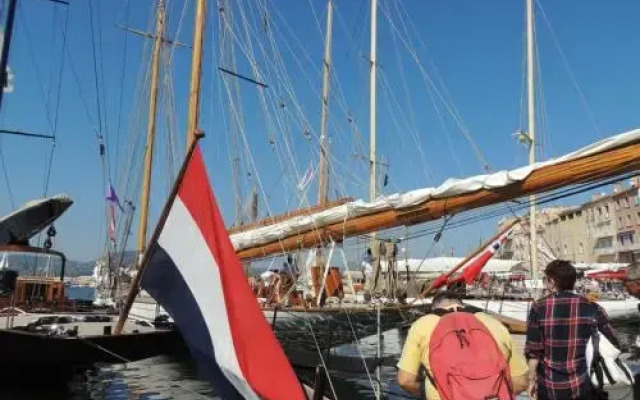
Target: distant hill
28, 264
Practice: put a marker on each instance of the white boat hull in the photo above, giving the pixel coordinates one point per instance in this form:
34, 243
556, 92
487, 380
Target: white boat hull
519, 309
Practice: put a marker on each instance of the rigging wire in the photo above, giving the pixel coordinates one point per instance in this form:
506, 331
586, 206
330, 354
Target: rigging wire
105, 120
122, 80
443, 94
95, 68
57, 110
572, 76
6, 177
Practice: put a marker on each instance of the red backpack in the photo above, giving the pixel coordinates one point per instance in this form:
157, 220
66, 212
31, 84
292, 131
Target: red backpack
466, 362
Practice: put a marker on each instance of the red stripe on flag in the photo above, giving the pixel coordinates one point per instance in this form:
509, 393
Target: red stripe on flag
261, 359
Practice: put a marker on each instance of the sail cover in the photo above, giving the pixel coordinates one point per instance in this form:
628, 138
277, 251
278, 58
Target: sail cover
499, 180
28, 220
194, 273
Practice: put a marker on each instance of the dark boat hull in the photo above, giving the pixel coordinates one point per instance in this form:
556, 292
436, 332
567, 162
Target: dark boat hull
316, 329
26, 353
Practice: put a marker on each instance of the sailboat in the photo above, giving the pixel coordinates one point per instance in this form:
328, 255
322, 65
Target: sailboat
318, 226
335, 223
41, 330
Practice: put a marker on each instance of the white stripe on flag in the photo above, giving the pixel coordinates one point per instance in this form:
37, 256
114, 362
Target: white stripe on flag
182, 240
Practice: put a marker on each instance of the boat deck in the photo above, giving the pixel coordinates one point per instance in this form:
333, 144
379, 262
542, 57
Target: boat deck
85, 328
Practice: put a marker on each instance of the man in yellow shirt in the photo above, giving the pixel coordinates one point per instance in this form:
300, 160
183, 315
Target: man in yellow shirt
416, 349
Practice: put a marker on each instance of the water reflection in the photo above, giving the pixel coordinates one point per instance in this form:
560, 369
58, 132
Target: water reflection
165, 378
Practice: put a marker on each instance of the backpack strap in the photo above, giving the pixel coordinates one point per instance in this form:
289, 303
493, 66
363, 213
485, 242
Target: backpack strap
596, 363
606, 371
624, 369
424, 374
441, 312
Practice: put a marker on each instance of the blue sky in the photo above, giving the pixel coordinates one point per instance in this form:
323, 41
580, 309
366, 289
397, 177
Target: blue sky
472, 50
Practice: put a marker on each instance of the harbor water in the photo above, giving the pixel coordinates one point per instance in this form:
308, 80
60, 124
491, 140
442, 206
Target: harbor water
165, 378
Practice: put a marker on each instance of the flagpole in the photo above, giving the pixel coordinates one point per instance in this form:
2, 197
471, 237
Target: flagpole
135, 285
433, 287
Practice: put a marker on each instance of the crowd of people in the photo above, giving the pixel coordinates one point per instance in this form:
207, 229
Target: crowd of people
455, 353
274, 284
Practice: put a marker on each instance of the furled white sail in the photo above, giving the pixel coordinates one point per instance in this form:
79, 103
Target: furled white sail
451, 187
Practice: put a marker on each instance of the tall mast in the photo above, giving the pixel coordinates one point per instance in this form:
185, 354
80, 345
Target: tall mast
373, 189
323, 181
531, 101
6, 45
196, 72
151, 129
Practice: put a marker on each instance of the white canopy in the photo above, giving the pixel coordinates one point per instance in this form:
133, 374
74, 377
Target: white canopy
430, 267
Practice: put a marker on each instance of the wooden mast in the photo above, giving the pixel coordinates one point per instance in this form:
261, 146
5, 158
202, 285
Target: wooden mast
151, 129
137, 279
323, 178
595, 167
194, 134
196, 72
531, 105
373, 185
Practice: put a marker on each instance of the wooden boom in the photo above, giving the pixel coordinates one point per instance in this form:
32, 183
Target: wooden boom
606, 164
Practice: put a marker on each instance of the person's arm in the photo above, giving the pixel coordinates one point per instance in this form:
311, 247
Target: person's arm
534, 347
520, 383
531, 384
604, 325
517, 363
520, 376
409, 382
410, 361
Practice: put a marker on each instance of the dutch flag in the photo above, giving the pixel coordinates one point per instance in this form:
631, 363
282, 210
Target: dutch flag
192, 270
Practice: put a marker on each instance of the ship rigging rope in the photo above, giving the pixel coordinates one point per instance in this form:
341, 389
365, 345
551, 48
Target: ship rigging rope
295, 54
570, 72
6, 178
123, 70
249, 53
57, 111
431, 83
52, 119
98, 91
410, 121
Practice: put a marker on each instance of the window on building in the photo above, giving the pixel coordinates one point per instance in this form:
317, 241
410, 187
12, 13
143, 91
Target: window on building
618, 204
629, 221
599, 211
571, 216
625, 202
626, 238
563, 217
606, 211
579, 213
604, 242
620, 221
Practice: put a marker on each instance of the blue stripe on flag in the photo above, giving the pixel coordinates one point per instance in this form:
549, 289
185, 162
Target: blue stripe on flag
163, 281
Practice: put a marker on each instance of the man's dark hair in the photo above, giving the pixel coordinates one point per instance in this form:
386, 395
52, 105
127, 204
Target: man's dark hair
445, 296
563, 274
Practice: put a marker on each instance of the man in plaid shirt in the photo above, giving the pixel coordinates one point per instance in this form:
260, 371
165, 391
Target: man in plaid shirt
558, 329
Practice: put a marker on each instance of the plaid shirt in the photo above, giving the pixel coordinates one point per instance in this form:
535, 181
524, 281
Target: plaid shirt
558, 329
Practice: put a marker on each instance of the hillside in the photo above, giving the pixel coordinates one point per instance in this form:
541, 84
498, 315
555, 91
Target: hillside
28, 264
